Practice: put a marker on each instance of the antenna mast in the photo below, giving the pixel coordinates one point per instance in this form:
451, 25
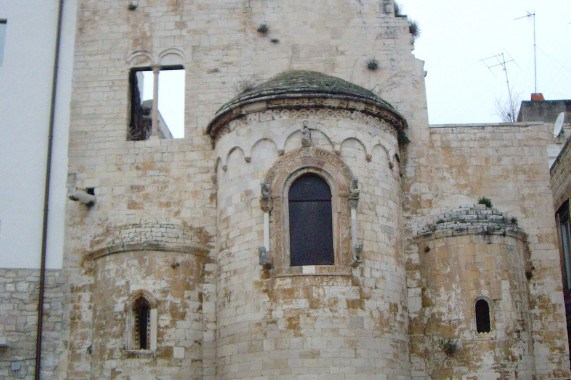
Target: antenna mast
500, 58
534, 47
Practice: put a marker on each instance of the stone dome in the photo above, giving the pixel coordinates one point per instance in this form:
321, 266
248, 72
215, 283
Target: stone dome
286, 89
472, 220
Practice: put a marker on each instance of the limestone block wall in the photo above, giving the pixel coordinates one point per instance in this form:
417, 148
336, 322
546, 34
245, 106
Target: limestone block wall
166, 261
474, 253
174, 280
18, 322
561, 178
218, 44
329, 321
175, 181
450, 166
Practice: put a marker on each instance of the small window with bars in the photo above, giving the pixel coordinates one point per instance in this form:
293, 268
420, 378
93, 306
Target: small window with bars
141, 324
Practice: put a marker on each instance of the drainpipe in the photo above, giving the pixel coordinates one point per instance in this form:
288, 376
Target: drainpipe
47, 197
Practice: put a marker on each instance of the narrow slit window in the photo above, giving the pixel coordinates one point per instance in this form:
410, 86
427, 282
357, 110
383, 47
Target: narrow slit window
483, 316
142, 324
310, 222
3, 25
157, 102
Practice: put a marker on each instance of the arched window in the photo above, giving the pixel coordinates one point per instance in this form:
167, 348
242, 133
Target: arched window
141, 323
310, 222
483, 316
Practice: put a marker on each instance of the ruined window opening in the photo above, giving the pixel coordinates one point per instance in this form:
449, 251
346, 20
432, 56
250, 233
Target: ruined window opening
565, 231
3, 25
157, 102
483, 316
310, 222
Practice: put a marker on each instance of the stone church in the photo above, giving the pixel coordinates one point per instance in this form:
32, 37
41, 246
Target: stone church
310, 224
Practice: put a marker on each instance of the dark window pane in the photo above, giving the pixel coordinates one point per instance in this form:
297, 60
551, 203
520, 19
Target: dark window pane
310, 222
482, 316
309, 187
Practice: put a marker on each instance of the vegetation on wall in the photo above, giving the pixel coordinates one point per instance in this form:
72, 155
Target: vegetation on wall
372, 64
402, 138
486, 202
414, 29
263, 29
448, 346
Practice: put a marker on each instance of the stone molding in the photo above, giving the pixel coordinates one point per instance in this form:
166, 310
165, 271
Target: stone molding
472, 220
316, 116
151, 236
338, 175
301, 108
166, 57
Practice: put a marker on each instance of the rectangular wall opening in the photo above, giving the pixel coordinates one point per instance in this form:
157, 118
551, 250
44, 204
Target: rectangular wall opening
160, 88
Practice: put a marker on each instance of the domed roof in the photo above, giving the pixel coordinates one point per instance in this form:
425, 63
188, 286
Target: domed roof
472, 220
301, 84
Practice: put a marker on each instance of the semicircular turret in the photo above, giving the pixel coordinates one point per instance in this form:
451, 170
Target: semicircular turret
293, 89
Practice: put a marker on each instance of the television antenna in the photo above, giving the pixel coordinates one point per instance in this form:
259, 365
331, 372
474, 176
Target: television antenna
501, 61
529, 14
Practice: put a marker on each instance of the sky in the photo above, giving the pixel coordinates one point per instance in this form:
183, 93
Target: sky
457, 35
171, 86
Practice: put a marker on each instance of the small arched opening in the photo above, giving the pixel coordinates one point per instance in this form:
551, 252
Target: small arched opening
483, 323
141, 324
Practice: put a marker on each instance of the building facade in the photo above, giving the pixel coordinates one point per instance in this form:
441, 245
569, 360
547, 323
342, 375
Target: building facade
310, 223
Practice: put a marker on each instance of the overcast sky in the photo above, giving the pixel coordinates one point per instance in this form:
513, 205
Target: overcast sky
457, 35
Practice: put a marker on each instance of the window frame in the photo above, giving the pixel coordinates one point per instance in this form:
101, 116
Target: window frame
131, 333
491, 308
155, 117
279, 178
286, 222
564, 234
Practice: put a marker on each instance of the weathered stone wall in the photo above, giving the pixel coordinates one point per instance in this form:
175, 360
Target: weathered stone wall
19, 290
450, 166
175, 281
473, 253
174, 181
214, 193
331, 321
166, 260
561, 177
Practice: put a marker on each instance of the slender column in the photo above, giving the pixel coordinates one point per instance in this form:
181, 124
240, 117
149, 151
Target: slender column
155, 107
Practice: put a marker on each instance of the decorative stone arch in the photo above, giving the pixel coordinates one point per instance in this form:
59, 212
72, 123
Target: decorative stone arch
279, 178
141, 58
167, 57
141, 301
171, 57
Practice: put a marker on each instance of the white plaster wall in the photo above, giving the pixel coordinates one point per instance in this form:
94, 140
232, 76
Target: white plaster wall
25, 83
